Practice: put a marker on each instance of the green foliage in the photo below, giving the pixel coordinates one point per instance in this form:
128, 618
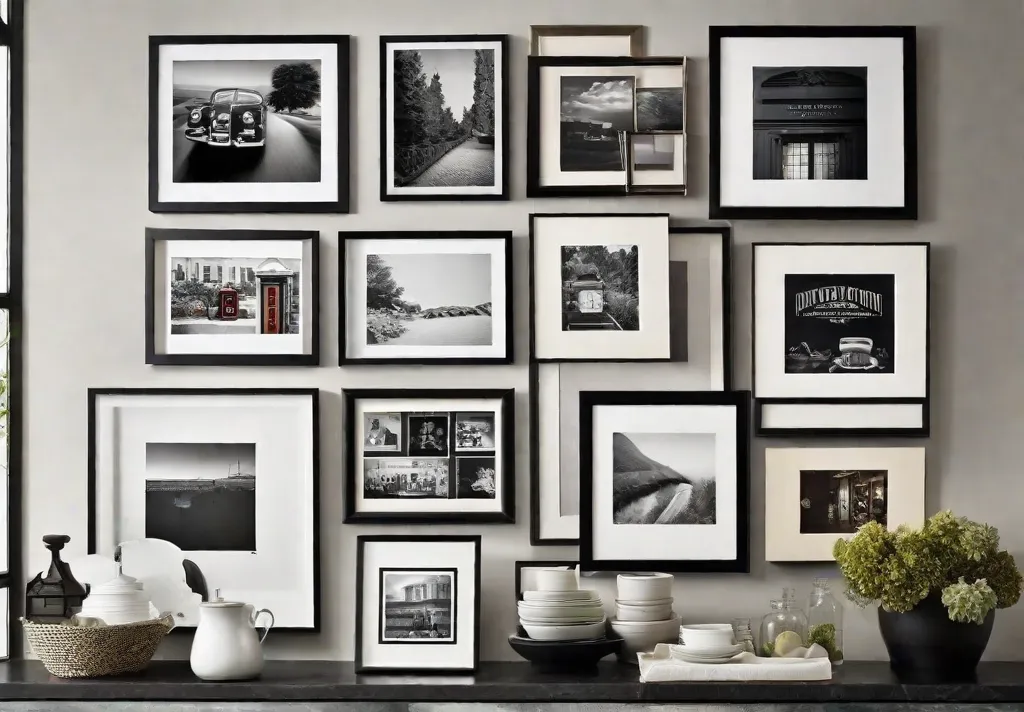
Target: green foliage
767, 649
968, 602
899, 569
383, 325
824, 635
296, 86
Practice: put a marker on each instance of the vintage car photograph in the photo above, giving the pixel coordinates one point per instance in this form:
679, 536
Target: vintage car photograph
600, 288
232, 117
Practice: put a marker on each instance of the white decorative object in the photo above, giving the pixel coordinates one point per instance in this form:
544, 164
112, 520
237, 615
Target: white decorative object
660, 666
118, 601
226, 645
158, 564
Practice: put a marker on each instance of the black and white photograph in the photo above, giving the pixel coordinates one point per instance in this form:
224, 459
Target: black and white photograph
596, 114
254, 124
225, 477
424, 297
441, 299
841, 501
429, 434
660, 109
663, 478
449, 456
600, 287
405, 478
476, 477
417, 606
474, 432
235, 295
810, 123
813, 122
840, 323
382, 432
652, 152
444, 109
245, 121
202, 496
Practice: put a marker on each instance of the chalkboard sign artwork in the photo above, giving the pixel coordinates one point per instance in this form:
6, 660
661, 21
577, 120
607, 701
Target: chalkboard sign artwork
840, 323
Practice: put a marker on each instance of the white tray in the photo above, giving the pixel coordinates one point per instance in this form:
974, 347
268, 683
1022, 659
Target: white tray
660, 666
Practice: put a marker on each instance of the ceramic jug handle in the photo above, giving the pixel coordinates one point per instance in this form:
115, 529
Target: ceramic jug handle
266, 628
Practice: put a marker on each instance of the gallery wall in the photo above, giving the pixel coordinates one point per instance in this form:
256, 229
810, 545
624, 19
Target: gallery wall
86, 212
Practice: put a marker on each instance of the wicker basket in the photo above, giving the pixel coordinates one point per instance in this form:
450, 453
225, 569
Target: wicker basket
80, 651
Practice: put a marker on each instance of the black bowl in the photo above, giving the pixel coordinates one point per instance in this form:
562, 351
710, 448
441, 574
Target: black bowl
563, 655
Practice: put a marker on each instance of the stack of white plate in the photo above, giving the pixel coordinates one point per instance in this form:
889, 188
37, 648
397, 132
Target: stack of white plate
706, 643
559, 610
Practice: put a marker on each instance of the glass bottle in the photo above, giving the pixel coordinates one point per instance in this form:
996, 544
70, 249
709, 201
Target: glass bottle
825, 621
743, 635
785, 617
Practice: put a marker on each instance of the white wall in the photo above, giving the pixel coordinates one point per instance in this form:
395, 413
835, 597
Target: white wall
86, 210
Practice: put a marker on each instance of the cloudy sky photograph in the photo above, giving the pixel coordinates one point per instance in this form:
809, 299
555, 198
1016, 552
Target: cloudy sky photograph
603, 99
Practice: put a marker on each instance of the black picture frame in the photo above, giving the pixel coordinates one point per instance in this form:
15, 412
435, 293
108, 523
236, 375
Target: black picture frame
381, 640
501, 110
345, 237
353, 477
740, 401
760, 430
533, 289
907, 211
154, 235
313, 393
361, 541
340, 205
534, 187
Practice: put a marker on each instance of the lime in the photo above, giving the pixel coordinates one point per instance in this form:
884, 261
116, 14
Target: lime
786, 642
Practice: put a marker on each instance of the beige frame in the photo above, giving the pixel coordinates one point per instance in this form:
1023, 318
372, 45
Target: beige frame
634, 34
782, 538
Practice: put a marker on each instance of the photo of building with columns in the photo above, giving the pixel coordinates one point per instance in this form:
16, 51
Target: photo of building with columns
417, 605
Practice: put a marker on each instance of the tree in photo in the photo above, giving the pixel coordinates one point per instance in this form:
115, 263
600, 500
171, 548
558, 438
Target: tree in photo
296, 86
483, 92
382, 292
410, 98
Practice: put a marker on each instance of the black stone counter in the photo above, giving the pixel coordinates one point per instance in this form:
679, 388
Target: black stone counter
316, 681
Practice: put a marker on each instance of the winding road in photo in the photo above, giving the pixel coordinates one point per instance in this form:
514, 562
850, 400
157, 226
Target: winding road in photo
291, 155
469, 163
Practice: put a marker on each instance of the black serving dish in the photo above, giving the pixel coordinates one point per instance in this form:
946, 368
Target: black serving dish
563, 655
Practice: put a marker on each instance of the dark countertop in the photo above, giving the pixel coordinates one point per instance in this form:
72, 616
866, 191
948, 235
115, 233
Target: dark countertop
309, 681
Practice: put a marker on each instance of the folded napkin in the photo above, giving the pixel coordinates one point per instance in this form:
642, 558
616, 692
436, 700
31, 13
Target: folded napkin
660, 666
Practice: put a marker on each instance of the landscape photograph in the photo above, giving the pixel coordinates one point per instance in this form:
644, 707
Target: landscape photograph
246, 121
596, 113
660, 109
438, 299
663, 478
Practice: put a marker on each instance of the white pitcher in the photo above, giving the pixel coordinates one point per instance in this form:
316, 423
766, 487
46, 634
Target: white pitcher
226, 645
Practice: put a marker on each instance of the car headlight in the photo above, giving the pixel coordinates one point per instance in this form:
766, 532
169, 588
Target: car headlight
247, 117
223, 117
195, 115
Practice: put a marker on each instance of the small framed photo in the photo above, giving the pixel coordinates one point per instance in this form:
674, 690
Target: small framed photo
601, 126
701, 359
417, 604
841, 339
430, 456
249, 124
815, 496
599, 287
664, 480
444, 117
227, 475
813, 122
232, 297
426, 298
587, 40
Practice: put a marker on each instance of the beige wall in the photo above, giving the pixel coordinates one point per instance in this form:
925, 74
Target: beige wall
86, 210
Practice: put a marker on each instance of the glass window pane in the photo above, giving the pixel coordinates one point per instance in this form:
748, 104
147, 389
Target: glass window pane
795, 160
826, 158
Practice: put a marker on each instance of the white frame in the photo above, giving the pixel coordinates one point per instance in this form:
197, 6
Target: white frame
905, 503
549, 233
282, 424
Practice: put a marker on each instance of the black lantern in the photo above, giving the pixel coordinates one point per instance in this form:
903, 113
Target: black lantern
56, 596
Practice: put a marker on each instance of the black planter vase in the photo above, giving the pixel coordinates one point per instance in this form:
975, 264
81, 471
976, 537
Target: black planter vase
925, 646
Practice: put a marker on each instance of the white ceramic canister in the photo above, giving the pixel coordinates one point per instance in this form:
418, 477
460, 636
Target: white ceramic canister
120, 600
226, 645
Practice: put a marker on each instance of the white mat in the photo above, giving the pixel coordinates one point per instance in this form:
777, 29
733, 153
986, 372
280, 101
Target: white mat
660, 666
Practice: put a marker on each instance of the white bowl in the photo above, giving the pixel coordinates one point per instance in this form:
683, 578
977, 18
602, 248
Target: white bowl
555, 579
644, 587
641, 637
581, 596
707, 636
660, 612
565, 632
656, 602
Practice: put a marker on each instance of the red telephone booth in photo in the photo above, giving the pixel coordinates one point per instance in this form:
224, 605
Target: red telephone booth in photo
227, 299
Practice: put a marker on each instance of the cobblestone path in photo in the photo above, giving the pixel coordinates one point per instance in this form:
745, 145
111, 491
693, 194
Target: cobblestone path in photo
471, 163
